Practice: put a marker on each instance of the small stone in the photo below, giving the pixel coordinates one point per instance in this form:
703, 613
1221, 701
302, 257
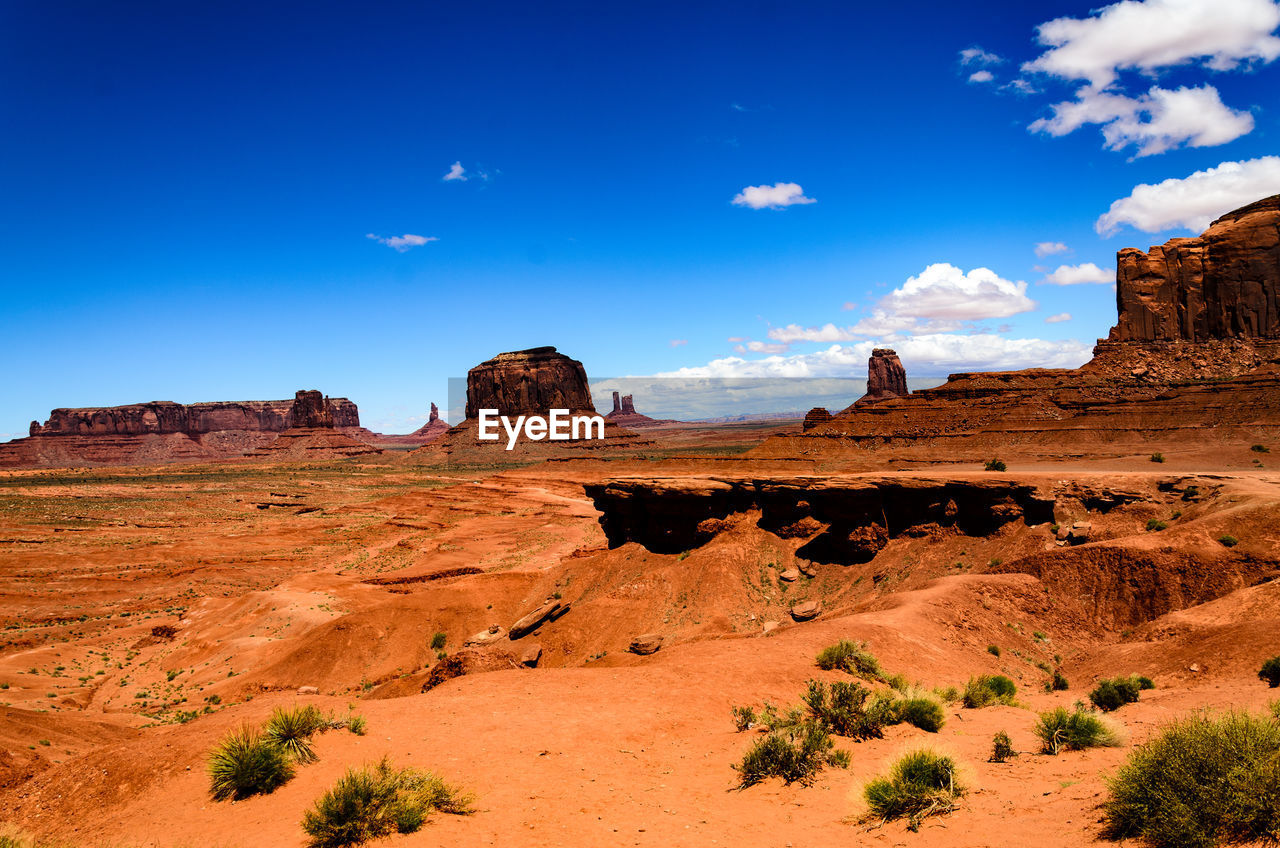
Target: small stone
806, 611
647, 644
532, 653
791, 575
308, 690
770, 626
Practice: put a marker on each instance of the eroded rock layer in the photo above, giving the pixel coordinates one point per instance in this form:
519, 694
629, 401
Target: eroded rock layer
528, 381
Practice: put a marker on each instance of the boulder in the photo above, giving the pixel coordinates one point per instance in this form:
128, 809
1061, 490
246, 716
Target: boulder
791, 575
647, 644
308, 690
549, 611
532, 653
485, 637
806, 611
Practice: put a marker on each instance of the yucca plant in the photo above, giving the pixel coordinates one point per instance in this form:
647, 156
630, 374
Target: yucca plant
292, 728
246, 763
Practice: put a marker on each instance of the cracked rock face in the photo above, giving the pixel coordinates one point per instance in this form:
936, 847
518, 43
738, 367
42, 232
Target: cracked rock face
1222, 285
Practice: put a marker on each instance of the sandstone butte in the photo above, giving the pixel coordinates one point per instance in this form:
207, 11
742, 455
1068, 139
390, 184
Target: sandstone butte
624, 413
1195, 353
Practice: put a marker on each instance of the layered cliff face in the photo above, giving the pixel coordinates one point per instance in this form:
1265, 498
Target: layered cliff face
161, 417
1223, 285
886, 378
528, 381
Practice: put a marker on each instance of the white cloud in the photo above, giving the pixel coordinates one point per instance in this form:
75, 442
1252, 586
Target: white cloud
1194, 201
1147, 36
775, 196
924, 356
1020, 86
1196, 117
1059, 318
679, 342
977, 56
456, 173
981, 76
1074, 275
402, 243
1049, 248
943, 291
793, 333
761, 347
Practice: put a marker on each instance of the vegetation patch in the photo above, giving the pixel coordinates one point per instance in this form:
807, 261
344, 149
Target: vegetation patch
371, 802
1202, 781
1270, 672
852, 657
987, 690
1113, 694
1073, 730
849, 709
919, 785
1001, 748
796, 754
291, 730
245, 763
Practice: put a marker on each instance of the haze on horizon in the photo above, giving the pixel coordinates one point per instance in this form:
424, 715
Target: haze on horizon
235, 202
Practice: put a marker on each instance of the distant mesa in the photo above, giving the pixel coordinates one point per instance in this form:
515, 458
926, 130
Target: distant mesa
814, 417
624, 414
1194, 354
312, 435
434, 430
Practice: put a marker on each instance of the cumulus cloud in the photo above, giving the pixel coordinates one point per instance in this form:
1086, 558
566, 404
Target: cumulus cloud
402, 243
1059, 318
981, 76
1049, 248
1193, 202
776, 196
761, 347
943, 291
925, 356
1074, 275
1147, 36
1195, 117
977, 56
457, 173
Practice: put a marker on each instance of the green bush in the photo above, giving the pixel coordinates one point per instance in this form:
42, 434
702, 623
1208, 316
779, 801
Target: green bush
1201, 781
852, 657
743, 718
1228, 541
246, 763
993, 650
1156, 524
1058, 683
1001, 748
987, 690
1270, 672
1157, 457
849, 709
948, 694
996, 465
1063, 730
371, 802
924, 713
438, 640
796, 755
291, 730
1260, 449
920, 784
1113, 694
358, 725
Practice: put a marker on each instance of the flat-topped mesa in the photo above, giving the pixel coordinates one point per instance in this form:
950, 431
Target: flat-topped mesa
1225, 284
311, 409
161, 417
886, 378
528, 381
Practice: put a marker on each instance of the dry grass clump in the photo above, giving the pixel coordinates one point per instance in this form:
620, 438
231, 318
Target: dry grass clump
796, 754
244, 763
852, 657
921, 784
1061, 729
987, 690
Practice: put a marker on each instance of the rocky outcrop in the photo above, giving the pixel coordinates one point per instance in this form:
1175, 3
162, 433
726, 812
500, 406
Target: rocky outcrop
528, 381
310, 409
313, 435
624, 413
1223, 284
886, 378
814, 417
140, 419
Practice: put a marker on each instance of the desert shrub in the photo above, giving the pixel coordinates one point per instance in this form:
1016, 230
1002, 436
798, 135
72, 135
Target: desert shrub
1113, 694
1260, 449
1275, 710
897, 682
947, 694
1270, 672
1156, 524
438, 640
796, 755
164, 631
1157, 457
921, 712
986, 690
1061, 729
1058, 683
774, 720
1201, 781
358, 725
849, 709
291, 730
993, 650
1001, 748
852, 657
1228, 541
743, 718
246, 763
996, 465
373, 801
920, 784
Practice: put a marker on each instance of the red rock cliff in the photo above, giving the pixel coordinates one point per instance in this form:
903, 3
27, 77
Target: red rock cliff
1222, 285
528, 381
191, 419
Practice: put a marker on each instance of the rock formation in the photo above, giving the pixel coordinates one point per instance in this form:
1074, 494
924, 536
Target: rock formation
1194, 355
1224, 284
528, 381
886, 378
624, 414
313, 435
814, 417
163, 431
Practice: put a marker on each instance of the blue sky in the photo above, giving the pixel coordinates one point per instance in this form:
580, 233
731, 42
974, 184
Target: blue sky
235, 201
